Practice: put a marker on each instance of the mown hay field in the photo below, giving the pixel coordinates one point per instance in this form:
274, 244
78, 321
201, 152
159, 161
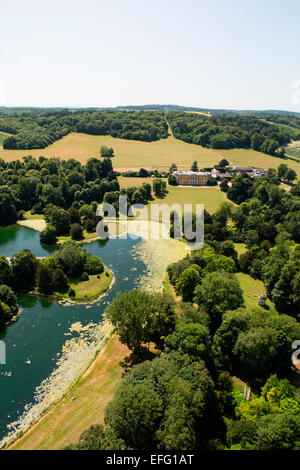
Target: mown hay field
151, 155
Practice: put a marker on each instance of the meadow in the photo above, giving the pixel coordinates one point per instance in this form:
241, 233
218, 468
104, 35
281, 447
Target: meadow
150, 155
210, 196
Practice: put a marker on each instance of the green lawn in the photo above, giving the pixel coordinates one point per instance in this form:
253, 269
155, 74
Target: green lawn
252, 288
240, 248
29, 216
91, 288
210, 196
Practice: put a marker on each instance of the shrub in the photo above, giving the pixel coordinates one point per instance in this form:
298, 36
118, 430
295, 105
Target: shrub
85, 276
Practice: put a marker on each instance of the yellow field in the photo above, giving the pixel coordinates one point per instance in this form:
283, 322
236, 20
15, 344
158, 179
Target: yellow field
210, 196
135, 154
82, 406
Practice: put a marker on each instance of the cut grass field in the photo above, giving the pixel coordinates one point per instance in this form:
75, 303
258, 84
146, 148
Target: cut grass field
252, 288
210, 196
82, 406
93, 287
151, 155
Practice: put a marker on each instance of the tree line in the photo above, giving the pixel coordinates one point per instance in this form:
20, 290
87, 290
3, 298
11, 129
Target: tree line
32, 130
229, 131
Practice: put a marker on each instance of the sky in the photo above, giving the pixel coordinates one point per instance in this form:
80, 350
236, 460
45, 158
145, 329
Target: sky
233, 54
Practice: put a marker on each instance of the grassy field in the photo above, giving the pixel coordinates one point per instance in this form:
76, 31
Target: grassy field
210, 196
252, 288
3, 136
240, 248
82, 406
135, 154
29, 216
91, 288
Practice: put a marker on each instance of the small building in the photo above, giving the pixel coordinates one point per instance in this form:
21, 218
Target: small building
242, 170
218, 174
192, 178
262, 300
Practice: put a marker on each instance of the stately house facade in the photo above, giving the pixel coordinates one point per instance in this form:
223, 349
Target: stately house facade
192, 178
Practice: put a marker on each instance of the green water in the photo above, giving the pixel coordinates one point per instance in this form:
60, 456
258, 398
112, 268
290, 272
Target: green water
35, 341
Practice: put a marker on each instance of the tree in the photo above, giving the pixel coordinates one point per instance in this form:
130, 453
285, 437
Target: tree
24, 266
59, 219
74, 216
97, 438
143, 173
278, 432
187, 282
223, 163
254, 344
281, 171
224, 186
140, 317
130, 313
191, 339
290, 175
194, 166
5, 271
134, 415
71, 259
60, 280
44, 278
159, 187
106, 151
8, 297
48, 235
8, 213
172, 180
93, 265
76, 232
217, 293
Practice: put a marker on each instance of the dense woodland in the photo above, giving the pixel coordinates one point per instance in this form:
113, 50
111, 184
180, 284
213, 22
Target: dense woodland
34, 130
65, 192
181, 394
229, 131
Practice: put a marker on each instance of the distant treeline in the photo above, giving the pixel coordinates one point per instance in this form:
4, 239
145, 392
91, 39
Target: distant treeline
225, 132
32, 130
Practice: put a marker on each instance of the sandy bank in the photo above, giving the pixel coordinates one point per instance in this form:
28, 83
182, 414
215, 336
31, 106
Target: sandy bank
35, 224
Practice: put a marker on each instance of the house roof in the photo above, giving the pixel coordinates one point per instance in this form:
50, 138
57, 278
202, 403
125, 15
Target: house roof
191, 173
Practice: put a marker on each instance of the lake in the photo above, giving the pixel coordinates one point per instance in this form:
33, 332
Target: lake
39, 343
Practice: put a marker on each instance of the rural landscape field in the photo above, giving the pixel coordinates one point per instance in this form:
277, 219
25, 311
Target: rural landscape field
150, 231
150, 155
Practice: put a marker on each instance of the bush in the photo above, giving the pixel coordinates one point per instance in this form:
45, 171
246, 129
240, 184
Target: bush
85, 276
